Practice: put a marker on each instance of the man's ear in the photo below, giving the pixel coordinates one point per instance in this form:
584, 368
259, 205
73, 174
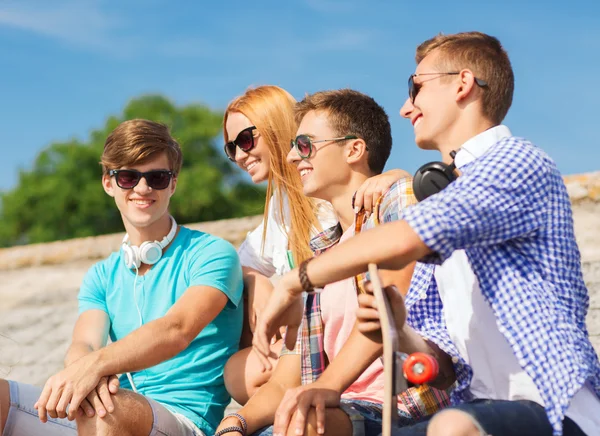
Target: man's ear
466, 85
357, 150
107, 185
173, 186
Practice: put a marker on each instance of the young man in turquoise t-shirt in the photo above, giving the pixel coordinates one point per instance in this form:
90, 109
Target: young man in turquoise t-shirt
170, 300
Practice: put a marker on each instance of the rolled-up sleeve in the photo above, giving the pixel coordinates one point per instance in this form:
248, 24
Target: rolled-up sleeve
500, 198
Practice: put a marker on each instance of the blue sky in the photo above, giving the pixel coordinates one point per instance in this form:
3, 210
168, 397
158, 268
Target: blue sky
66, 65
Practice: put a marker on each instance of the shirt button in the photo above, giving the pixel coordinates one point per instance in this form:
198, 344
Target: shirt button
455, 360
423, 295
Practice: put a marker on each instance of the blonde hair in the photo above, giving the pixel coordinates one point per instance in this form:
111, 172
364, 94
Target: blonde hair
271, 110
486, 58
139, 141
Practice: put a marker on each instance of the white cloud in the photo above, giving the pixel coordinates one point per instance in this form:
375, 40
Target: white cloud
82, 24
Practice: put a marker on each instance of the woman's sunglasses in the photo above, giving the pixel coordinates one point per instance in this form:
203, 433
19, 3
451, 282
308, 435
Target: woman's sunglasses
304, 144
129, 179
244, 140
414, 88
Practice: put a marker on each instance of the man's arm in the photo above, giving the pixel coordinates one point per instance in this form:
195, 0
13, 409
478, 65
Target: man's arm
89, 334
147, 346
354, 255
340, 262
260, 410
361, 349
165, 337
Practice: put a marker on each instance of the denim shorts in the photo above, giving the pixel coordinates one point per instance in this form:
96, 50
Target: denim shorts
23, 419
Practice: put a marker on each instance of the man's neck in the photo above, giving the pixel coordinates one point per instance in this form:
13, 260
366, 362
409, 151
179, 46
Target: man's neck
154, 232
342, 200
460, 133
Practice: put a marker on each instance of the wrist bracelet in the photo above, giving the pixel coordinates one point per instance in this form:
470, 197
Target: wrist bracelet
241, 419
230, 429
307, 286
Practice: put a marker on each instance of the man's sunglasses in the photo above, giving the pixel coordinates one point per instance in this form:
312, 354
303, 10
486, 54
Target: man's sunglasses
129, 179
304, 144
244, 140
414, 88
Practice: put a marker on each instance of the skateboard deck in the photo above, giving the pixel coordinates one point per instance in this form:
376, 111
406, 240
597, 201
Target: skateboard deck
394, 382
398, 367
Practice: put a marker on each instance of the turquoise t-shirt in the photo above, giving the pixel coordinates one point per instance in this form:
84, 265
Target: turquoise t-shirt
190, 383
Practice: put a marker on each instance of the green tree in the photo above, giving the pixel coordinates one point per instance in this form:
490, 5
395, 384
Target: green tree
60, 197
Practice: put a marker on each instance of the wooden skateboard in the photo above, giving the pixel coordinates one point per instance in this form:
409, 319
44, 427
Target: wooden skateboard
399, 368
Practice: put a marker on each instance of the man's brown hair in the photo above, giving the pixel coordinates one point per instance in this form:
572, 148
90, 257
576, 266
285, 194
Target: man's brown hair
139, 141
353, 113
485, 57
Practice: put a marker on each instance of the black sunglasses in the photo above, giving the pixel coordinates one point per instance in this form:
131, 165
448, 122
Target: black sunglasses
129, 179
304, 144
414, 88
244, 140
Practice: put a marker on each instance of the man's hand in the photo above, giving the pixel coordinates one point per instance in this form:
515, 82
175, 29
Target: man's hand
368, 315
69, 388
285, 308
374, 187
299, 400
99, 400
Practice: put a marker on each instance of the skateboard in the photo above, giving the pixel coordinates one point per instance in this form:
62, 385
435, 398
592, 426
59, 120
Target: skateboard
399, 368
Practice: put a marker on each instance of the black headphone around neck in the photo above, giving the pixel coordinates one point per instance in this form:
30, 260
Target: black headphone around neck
432, 177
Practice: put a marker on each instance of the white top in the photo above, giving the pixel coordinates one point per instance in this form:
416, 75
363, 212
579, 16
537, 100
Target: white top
473, 329
273, 258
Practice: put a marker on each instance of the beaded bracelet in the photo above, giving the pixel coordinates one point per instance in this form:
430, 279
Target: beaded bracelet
230, 429
241, 419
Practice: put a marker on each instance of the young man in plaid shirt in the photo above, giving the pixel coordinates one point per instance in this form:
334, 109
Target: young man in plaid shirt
507, 301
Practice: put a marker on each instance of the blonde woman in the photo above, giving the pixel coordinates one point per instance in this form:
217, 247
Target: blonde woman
258, 127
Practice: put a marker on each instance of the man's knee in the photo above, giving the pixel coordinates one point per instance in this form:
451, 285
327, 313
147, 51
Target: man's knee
452, 422
4, 403
132, 417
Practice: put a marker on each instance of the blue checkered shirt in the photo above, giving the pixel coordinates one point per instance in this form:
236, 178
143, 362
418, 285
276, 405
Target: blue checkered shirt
511, 214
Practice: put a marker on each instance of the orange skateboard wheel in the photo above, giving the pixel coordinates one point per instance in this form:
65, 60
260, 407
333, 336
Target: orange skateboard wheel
420, 368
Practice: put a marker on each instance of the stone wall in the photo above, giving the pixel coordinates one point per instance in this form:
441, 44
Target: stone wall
97, 247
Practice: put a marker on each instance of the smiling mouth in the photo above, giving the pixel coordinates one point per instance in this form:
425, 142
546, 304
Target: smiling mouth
252, 165
418, 120
305, 172
142, 202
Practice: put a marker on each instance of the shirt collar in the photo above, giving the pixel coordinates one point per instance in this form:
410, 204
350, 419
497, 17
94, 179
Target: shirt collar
478, 145
326, 239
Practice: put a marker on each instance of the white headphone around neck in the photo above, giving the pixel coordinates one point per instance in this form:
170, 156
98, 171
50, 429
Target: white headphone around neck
149, 252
